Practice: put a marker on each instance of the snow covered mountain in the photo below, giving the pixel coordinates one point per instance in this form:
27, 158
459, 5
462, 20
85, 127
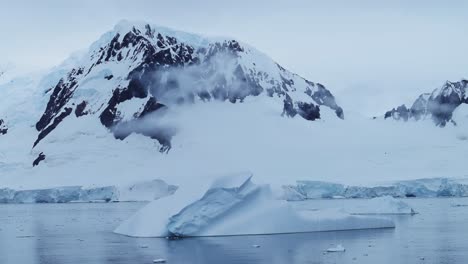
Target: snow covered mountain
438, 105
139, 69
130, 82
215, 106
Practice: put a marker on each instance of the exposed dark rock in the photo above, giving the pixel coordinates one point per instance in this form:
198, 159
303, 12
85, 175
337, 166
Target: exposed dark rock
62, 93
151, 106
109, 117
322, 96
439, 105
308, 111
80, 109
400, 113
109, 77
3, 127
230, 47
39, 158
419, 108
67, 111
442, 106
288, 107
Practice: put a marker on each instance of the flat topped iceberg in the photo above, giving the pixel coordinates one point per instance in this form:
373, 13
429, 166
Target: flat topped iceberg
338, 248
234, 205
431, 187
140, 191
382, 205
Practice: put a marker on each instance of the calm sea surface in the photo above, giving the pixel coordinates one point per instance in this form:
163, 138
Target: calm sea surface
82, 234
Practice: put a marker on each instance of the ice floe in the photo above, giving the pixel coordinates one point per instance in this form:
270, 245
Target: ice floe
338, 248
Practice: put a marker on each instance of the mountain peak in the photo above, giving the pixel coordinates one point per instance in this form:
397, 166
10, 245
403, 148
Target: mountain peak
438, 105
151, 31
137, 71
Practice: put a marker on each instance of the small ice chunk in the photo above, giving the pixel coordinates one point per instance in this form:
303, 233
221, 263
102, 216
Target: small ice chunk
338, 248
159, 260
255, 246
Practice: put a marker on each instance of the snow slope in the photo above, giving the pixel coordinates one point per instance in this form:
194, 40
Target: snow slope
278, 150
234, 205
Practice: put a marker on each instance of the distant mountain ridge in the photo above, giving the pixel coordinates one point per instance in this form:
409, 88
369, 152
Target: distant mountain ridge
438, 105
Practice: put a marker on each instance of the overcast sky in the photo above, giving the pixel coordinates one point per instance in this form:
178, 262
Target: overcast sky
371, 54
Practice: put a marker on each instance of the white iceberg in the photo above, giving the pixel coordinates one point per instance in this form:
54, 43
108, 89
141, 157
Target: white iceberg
140, 191
319, 189
234, 205
382, 205
338, 248
430, 187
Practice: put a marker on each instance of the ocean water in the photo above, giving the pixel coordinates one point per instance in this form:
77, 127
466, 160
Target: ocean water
82, 234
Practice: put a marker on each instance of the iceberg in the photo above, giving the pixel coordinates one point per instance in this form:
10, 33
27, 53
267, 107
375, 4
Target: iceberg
224, 197
425, 188
318, 189
338, 248
140, 191
234, 205
382, 205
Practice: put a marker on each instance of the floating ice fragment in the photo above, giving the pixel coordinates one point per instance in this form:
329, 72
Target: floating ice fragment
160, 260
338, 248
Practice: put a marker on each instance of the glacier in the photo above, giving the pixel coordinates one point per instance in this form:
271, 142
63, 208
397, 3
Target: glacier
425, 188
149, 190
140, 191
234, 205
